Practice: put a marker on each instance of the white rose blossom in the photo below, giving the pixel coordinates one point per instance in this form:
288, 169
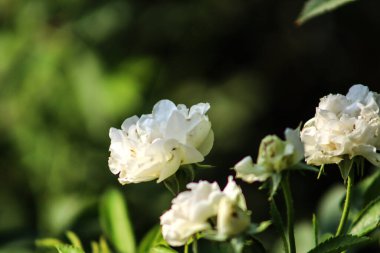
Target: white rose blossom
155, 145
344, 126
274, 156
192, 210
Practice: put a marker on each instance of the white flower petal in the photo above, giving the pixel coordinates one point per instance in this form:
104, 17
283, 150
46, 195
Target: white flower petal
155, 145
344, 126
191, 211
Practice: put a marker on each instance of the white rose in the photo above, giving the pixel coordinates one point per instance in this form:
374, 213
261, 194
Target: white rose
344, 126
155, 145
191, 212
232, 217
274, 156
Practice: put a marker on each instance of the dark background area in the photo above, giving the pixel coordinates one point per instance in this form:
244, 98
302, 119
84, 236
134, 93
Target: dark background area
70, 70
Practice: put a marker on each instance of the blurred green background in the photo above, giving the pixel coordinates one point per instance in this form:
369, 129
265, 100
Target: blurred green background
70, 70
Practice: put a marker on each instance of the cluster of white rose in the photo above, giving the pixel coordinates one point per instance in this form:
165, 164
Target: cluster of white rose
198, 209
156, 145
344, 126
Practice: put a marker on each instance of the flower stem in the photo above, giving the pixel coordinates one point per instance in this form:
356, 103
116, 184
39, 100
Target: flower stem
290, 212
346, 208
186, 249
195, 245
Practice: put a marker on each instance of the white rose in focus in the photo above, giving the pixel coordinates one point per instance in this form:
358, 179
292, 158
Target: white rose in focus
344, 126
156, 145
197, 211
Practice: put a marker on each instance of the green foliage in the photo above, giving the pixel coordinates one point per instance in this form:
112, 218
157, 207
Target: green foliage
69, 249
315, 229
258, 228
313, 8
74, 240
339, 244
368, 220
366, 191
178, 181
115, 221
153, 242
279, 224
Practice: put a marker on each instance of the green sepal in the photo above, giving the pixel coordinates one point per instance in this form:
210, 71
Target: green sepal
258, 228
321, 171
313, 8
274, 184
178, 181
303, 166
345, 167
204, 166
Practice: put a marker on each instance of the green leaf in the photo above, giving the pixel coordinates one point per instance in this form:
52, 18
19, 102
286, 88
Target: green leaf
313, 8
65, 248
48, 242
368, 220
74, 239
365, 192
154, 242
149, 239
115, 221
162, 249
340, 243
316, 230
95, 247
104, 248
277, 220
321, 171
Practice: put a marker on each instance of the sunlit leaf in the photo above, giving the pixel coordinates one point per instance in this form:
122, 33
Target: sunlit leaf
149, 239
68, 249
104, 248
48, 242
115, 221
313, 8
154, 242
162, 249
74, 239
